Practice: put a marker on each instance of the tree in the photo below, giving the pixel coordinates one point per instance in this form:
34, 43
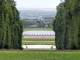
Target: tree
10, 25
67, 25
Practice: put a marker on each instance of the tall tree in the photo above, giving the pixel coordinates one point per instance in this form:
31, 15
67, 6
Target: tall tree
10, 25
67, 25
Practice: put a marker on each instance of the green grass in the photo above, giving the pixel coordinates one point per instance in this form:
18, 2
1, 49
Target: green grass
40, 55
28, 29
38, 39
33, 43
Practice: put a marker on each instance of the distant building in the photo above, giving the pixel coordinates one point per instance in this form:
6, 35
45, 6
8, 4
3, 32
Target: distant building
33, 26
46, 26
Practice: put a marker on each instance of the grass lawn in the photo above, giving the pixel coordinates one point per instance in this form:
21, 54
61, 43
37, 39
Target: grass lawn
28, 29
38, 39
33, 43
39, 55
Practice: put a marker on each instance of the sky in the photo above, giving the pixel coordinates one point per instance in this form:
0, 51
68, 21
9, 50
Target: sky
37, 3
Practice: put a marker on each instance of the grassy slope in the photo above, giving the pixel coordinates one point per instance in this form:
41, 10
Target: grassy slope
40, 55
27, 29
38, 39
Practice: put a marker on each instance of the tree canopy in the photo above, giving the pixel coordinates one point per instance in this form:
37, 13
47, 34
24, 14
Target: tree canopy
10, 25
67, 25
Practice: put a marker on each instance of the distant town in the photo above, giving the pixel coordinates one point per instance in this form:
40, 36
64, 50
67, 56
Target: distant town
38, 17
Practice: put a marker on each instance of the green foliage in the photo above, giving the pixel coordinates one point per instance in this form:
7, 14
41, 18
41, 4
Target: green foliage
50, 24
10, 25
67, 25
26, 23
40, 24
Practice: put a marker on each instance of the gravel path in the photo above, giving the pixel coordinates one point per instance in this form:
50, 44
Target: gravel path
40, 37
38, 41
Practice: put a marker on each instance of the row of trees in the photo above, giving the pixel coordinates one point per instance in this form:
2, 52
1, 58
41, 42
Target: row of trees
10, 25
39, 24
27, 23
67, 25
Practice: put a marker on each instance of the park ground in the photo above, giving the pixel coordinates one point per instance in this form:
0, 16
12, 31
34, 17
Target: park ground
38, 39
47, 40
39, 55
28, 29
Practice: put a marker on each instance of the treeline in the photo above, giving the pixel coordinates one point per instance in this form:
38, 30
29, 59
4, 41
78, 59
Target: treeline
38, 24
26, 24
10, 26
67, 25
